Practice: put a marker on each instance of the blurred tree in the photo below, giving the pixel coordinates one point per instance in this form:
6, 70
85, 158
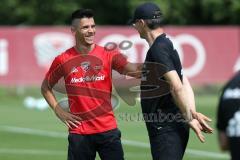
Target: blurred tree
36, 12
196, 12
109, 12
221, 12
55, 12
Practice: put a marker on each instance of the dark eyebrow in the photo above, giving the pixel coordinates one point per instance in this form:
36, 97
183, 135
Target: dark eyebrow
86, 26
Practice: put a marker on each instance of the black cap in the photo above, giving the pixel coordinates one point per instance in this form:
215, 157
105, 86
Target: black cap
146, 11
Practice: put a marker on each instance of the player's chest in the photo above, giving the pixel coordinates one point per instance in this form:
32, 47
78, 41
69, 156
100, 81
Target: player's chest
87, 70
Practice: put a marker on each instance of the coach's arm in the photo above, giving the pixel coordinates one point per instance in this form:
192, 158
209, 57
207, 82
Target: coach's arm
197, 115
183, 101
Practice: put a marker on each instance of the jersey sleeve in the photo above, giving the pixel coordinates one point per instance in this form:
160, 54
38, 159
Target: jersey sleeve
221, 121
118, 61
161, 54
55, 72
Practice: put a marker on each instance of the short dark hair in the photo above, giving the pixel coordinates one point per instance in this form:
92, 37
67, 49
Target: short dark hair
82, 13
153, 23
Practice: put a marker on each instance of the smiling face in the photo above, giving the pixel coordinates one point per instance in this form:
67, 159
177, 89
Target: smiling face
84, 31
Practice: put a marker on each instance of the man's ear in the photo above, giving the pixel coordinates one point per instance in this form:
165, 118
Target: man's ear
142, 22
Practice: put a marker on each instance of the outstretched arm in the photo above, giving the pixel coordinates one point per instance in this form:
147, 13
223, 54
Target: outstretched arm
133, 70
120, 64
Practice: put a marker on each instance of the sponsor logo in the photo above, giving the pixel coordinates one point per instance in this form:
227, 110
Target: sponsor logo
74, 70
232, 94
233, 128
88, 79
85, 66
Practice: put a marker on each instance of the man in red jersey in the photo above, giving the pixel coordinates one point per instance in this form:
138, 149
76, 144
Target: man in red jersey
86, 69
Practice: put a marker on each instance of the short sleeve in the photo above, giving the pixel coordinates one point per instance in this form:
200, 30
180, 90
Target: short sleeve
55, 72
118, 61
161, 54
221, 122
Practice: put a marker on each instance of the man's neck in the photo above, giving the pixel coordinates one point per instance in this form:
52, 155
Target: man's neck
153, 34
84, 49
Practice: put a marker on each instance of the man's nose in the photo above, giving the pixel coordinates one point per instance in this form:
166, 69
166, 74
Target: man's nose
91, 29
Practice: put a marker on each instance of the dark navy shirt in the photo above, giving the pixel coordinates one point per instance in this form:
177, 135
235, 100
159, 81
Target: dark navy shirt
228, 116
159, 109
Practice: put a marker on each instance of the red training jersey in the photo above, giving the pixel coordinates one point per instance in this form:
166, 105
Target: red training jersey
88, 84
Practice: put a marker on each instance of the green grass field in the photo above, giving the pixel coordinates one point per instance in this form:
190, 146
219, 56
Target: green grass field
37, 135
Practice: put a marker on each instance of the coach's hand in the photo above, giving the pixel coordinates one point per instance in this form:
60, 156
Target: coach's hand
197, 128
69, 119
202, 119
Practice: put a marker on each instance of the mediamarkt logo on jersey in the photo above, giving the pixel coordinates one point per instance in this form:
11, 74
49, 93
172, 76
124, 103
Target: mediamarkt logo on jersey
88, 79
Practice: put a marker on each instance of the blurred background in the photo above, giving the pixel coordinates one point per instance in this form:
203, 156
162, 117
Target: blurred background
206, 34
